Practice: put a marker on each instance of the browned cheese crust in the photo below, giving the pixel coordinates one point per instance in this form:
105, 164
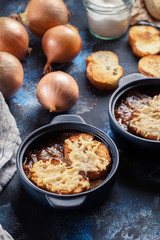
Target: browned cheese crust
55, 176
150, 66
87, 154
145, 122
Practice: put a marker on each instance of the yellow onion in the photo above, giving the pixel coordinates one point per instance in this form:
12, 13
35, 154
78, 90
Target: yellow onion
57, 91
11, 74
14, 38
61, 44
40, 15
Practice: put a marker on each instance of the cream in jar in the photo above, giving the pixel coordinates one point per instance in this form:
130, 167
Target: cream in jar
108, 19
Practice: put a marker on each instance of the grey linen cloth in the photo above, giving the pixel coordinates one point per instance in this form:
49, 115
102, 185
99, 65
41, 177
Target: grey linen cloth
4, 235
9, 143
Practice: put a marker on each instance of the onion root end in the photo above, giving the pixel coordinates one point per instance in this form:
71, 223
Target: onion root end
16, 17
47, 68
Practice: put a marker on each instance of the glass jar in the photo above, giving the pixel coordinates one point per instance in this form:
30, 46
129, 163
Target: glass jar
108, 19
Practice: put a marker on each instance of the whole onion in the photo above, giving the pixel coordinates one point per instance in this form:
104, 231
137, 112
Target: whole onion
61, 44
57, 91
11, 74
40, 15
14, 38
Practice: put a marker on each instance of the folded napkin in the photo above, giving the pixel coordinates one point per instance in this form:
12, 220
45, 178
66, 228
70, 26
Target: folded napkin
139, 13
4, 235
9, 143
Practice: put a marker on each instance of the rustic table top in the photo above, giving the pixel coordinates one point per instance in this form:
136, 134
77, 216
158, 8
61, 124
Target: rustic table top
131, 209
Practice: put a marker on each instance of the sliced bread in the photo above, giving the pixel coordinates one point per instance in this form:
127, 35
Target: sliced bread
144, 40
153, 7
150, 65
103, 70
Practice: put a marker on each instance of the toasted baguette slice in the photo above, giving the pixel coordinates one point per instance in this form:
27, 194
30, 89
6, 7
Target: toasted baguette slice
103, 70
88, 155
144, 40
150, 65
153, 7
55, 176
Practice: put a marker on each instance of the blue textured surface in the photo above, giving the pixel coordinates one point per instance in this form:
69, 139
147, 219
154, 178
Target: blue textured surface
132, 209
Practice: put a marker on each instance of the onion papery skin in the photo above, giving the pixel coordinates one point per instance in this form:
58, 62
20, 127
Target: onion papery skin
11, 74
40, 15
61, 44
57, 91
14, 38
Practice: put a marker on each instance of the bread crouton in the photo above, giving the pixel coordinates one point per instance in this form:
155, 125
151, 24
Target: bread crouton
150, 65
87, 154
144, 40
153, 8
103, 70
55, 176
145, 122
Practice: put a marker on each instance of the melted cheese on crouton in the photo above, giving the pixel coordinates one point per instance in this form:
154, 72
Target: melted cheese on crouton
147, 120
57, 177
85, 154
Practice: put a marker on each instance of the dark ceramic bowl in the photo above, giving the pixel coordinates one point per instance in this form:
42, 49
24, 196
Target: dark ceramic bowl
127, 141
60, 124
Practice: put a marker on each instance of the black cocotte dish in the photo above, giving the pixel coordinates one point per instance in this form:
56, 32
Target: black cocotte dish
87, 199
127, 141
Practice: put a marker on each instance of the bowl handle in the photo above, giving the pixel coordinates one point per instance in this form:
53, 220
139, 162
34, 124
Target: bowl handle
67, 118
65, 203
130, 78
